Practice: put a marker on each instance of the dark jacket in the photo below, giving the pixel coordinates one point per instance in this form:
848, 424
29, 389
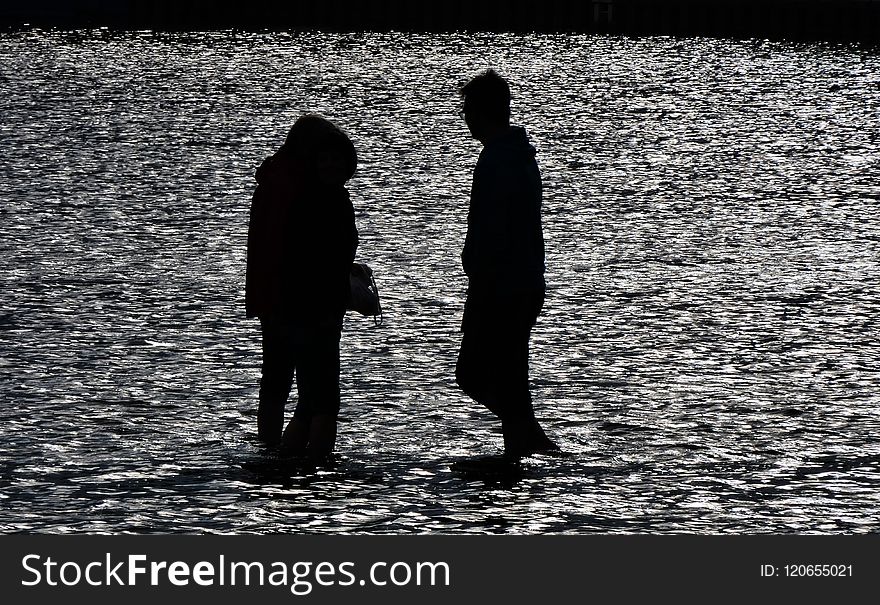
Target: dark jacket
504, 246
302, 240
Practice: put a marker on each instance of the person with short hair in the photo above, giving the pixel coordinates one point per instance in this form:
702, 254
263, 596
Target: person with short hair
503, 257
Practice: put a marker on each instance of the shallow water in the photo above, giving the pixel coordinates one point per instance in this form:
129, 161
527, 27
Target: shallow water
707, 356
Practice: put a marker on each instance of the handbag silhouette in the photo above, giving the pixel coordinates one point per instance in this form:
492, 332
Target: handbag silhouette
364, 293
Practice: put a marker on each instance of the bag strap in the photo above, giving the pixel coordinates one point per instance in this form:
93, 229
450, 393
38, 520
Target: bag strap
377, 319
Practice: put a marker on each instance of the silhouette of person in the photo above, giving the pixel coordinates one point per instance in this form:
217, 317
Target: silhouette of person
302, 240
503, 258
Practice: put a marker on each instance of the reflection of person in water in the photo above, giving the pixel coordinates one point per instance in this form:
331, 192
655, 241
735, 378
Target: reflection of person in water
301, 244
503, 258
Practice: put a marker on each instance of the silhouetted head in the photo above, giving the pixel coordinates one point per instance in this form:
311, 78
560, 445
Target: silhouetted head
486, 105
322, 148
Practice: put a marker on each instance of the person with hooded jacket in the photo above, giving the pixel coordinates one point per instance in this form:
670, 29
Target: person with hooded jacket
503, 257
302, 240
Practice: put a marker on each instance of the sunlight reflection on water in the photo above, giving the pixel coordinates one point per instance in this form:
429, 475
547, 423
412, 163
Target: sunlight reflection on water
707, 354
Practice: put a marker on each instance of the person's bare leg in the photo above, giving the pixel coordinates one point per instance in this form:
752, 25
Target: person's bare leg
322, 435
517, 437
275, 381
296, 436
540, 441
523, 436
270, 422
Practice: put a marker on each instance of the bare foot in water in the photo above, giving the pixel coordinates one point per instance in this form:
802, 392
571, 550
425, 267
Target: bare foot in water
524, 437
314, 437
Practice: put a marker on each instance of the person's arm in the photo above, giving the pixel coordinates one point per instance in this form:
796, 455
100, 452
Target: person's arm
489, 239
353, 237
256, 277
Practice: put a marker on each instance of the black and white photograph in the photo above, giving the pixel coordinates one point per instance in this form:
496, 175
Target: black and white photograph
469, 268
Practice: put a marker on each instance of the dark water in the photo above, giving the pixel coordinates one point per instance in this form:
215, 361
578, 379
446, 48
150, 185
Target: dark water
709, 350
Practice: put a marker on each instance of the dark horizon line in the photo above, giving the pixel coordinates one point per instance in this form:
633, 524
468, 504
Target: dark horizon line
834, 20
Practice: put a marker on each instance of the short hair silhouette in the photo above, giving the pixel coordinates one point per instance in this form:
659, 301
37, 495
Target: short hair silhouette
312, 133
487, 93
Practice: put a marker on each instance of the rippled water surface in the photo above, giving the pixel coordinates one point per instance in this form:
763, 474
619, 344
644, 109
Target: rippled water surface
708, 356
